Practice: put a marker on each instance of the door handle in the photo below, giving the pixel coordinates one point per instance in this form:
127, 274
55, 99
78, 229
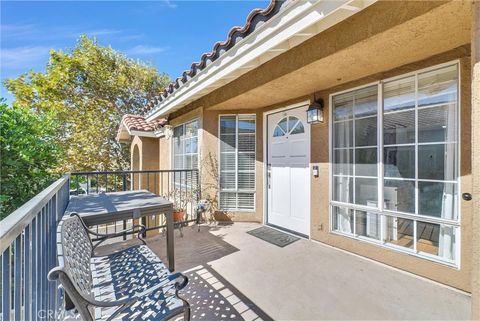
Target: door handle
269, 174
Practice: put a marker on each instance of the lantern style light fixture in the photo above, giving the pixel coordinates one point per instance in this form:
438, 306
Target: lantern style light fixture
168, 131
315, 111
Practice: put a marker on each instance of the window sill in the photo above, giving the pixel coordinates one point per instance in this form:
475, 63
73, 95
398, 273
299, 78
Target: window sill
399, 249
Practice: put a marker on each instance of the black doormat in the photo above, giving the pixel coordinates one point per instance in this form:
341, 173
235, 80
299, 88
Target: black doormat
273, 236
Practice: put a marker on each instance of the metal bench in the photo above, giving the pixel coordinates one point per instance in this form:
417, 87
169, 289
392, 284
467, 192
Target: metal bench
130, 284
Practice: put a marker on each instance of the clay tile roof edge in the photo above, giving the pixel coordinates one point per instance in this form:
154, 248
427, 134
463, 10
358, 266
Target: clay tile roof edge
254, 18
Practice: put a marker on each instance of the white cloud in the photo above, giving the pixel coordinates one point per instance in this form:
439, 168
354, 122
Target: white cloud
169, 4
17, 30
104, 32
23, 58
145, 50
58, 33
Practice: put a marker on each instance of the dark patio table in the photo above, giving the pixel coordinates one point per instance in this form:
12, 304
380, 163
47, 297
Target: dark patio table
105, 208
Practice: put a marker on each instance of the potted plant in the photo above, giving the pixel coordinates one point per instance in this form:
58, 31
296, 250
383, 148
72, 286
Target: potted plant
178, 214
180, 198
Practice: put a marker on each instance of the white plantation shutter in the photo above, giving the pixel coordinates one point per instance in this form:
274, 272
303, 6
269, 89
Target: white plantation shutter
237, 162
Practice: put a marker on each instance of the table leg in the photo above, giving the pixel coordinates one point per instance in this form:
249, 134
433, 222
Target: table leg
170, 241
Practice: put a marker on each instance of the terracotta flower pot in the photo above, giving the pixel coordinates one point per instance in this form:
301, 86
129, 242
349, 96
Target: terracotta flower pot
178, 215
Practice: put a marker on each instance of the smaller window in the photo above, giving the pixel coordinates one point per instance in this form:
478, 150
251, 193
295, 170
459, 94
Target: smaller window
289, 125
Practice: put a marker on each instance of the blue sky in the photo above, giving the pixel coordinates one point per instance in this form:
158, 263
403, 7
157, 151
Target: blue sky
169, 34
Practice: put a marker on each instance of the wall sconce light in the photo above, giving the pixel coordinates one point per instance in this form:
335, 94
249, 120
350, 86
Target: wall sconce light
168, 131
315, 111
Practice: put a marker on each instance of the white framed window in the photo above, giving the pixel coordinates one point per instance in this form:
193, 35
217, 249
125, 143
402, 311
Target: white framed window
237, 162
185, 152
185, 146
395, 156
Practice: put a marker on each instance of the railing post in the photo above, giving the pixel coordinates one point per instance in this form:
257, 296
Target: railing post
124, 187
6, 285
17, 265
27, 284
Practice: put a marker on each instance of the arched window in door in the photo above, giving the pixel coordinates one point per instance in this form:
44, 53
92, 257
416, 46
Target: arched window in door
289, 125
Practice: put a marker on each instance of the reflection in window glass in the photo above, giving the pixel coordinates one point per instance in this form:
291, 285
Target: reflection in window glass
343, 107
343, 220
356, 109
437, 162
399, 161
292, 121
437, 124
283, 124
246, 126
399, 128
343, 162
367, 224
185, 146
399, 232
438, 86
343, 134
366, 162
366, 191
399, 195
343, 189
399, 94
228, 125
419, 159
278, 132
288, 126
438, 199
437, 239
366, 131
366, 102
298, 129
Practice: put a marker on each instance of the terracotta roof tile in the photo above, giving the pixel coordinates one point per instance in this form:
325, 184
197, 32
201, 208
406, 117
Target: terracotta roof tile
137, 122
256, 18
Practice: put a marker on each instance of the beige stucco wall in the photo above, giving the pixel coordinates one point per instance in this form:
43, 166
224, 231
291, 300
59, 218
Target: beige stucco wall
385, 40
144, 153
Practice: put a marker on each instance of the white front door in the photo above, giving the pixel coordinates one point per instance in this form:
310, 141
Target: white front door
288, 170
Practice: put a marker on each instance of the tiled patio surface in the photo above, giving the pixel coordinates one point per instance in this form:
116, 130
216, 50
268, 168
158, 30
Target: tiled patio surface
235, 276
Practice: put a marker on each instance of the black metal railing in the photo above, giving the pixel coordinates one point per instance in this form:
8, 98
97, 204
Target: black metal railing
181, 186
27, 247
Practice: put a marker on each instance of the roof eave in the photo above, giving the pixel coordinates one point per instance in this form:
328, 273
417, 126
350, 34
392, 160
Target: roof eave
296, 23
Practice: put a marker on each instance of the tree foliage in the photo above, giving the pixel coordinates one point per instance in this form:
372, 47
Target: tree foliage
29, 155
89, 88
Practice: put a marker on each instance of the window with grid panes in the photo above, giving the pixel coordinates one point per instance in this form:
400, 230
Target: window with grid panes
237, 162
406, 155
185, 150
